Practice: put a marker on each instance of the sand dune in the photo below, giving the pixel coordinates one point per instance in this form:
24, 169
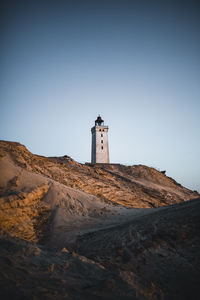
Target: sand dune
72, 231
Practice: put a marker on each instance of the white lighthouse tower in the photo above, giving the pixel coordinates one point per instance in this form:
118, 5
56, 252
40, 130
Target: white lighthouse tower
100, 151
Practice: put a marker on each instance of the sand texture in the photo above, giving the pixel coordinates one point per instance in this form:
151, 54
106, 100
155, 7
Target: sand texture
74, 231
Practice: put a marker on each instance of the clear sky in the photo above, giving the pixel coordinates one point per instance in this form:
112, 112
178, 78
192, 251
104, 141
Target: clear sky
137, 63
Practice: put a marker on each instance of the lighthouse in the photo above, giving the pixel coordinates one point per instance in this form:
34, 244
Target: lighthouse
100, 151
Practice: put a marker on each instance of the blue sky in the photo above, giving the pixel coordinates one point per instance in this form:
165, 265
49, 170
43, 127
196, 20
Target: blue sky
134, 62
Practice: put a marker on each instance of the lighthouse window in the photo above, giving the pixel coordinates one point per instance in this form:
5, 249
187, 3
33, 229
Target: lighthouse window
102, 129
102, 141
102, 135
102, 147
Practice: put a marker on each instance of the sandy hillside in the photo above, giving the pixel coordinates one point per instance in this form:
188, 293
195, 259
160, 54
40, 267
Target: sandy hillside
74, 231
153, 256
132, 186
39, 209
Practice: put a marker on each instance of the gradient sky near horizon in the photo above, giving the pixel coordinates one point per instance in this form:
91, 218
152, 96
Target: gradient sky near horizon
137, 63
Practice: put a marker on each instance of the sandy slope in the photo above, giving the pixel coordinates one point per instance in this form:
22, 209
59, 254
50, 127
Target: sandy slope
131, 186
156, 256
63, 234
29, 197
